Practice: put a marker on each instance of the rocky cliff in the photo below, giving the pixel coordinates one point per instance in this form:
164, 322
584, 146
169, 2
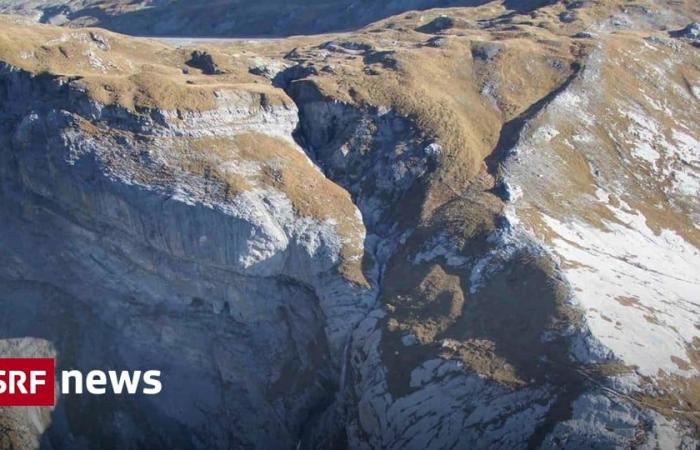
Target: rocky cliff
183, 239
461, 228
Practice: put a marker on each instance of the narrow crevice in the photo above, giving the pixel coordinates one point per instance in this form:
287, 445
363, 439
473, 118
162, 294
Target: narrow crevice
509, 136
511, 131
327, 416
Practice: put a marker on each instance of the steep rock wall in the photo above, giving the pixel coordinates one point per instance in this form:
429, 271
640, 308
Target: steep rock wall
119, 260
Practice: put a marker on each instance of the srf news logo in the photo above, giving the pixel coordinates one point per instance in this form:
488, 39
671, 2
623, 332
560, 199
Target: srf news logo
31, 382
27, 382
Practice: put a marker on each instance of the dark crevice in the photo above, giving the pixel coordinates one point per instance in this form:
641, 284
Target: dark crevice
325, 425
290, 80
511, 131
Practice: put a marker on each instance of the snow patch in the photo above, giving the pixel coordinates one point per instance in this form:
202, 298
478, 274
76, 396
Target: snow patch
645, 134
640, 290
441, 246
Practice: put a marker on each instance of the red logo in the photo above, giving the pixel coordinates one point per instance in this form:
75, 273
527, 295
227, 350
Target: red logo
27, 382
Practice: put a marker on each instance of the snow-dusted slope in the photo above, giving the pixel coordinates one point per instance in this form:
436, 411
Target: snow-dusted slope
612, 191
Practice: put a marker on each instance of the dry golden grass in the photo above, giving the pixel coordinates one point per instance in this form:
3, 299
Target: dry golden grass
627, 80
119, 70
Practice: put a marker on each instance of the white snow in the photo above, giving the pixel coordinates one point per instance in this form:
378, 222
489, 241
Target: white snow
686, 173
546, 133
640, 290
645, 134
441, 246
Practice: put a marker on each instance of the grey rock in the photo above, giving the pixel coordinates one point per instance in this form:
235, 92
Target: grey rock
486, 50
440, 23
584, 35
238, 303
436, 41
204, 62
567, 17
690, 33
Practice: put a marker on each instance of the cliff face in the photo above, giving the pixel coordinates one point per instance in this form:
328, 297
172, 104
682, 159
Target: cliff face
174, 241
466, 228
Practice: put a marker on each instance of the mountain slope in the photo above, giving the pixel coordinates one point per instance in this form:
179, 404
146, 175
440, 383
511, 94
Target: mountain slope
219, 18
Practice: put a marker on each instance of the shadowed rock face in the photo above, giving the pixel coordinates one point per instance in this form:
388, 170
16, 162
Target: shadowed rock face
230, 18
217, 311
236, 18
473, 227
